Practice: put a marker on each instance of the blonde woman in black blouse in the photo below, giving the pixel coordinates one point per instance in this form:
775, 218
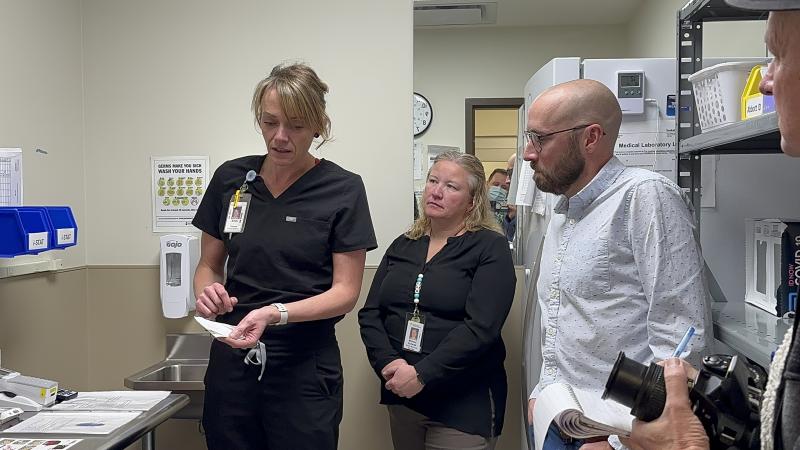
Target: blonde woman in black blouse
431, 323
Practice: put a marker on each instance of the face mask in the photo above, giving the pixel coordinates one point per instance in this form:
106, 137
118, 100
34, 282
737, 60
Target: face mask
497, 194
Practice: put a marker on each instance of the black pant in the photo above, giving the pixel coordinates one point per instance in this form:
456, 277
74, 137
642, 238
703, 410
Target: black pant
297, 405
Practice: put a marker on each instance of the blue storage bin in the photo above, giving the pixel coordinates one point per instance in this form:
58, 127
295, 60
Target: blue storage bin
41, 209
23, 231
65, 229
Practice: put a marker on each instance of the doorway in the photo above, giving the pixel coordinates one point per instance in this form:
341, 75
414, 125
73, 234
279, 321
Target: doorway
492, 130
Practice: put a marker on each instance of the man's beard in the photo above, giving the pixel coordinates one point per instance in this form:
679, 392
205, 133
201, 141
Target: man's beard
565, 173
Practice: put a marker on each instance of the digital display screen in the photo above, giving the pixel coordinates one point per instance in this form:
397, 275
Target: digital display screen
629, 80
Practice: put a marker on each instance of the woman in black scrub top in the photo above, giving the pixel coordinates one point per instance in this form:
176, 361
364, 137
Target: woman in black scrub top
295, 259
431, 322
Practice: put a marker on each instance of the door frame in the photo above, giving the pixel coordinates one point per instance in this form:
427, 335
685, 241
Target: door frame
473, 104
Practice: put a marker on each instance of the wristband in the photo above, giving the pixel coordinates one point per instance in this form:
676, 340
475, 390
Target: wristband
284, 314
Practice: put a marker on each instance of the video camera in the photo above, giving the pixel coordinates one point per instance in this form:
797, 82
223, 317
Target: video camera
725, 396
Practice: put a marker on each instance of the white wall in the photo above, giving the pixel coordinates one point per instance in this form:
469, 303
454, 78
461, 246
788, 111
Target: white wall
453, 64
651, 33
41, 105
176, 78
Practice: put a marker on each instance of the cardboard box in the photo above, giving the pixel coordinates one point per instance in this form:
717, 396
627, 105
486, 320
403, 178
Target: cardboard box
772, 264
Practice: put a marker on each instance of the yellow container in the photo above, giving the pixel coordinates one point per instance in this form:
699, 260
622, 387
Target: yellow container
754, 103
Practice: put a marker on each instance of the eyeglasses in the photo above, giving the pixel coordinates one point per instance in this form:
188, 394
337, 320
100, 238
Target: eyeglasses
531, 137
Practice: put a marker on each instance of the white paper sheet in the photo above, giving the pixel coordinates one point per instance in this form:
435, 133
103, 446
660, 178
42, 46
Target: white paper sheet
526, 187
649, 150
551, 402
112, 401
578, 412
218, 330
436, 150
418, 160
38, 444
82, 422
10, 176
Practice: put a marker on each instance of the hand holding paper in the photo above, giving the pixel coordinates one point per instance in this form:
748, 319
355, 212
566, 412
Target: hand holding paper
218, 330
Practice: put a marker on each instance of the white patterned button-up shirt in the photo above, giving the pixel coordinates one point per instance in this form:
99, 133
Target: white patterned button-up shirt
620, 270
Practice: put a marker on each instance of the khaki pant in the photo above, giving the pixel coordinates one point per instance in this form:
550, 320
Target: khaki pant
413, 431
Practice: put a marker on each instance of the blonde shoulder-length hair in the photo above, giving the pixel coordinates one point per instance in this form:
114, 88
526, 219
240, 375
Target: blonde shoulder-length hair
301, 94
480, 216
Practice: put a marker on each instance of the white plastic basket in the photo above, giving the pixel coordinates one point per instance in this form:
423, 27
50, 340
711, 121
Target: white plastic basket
718, 91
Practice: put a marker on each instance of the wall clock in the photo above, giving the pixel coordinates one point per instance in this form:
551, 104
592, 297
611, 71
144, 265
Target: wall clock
423, 114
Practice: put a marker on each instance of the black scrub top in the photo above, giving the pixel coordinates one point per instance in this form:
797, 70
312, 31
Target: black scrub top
466, 294
285, 252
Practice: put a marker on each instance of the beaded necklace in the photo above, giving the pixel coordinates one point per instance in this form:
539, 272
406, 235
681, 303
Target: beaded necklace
417, 288
418, 285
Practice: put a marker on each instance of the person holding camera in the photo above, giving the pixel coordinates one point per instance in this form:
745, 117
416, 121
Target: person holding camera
677, 427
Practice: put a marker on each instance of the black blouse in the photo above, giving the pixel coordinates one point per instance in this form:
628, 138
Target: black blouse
286, 251
466, 294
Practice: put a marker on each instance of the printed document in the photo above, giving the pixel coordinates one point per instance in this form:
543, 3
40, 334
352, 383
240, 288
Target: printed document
112, 401
79, 422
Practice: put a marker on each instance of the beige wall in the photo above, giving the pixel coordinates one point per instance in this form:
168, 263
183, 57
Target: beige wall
176, 78
43, 326
118, 321
454, 64
42, 107
651, 33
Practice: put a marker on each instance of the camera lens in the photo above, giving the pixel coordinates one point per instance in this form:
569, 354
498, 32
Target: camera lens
638, 387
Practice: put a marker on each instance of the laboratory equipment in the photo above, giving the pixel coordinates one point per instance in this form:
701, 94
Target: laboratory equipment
630, 91
9, 416
25, 392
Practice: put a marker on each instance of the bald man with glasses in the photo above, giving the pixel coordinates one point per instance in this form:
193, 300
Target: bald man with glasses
620, 266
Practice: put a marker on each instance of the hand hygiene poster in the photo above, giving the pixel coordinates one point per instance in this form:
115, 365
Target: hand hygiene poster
178, 185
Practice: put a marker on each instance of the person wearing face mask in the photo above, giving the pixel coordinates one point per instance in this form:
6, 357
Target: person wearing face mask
509, 222
678, 428
450, 278
498, 194
284, 271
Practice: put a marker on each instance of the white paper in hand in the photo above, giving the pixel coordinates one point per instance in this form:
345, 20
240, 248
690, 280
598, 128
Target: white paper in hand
218, 330
580, 414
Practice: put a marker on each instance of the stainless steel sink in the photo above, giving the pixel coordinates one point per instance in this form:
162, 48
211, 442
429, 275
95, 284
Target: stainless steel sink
177, 374
182, 371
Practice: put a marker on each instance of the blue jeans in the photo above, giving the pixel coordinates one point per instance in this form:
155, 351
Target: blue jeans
553, 441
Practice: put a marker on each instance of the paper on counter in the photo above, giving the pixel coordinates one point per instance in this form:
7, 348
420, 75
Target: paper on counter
80, 422
37, 444
112, 401
218, 330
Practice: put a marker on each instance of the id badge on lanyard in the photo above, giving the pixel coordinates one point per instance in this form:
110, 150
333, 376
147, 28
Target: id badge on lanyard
239, 207
237, 213
415, 326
